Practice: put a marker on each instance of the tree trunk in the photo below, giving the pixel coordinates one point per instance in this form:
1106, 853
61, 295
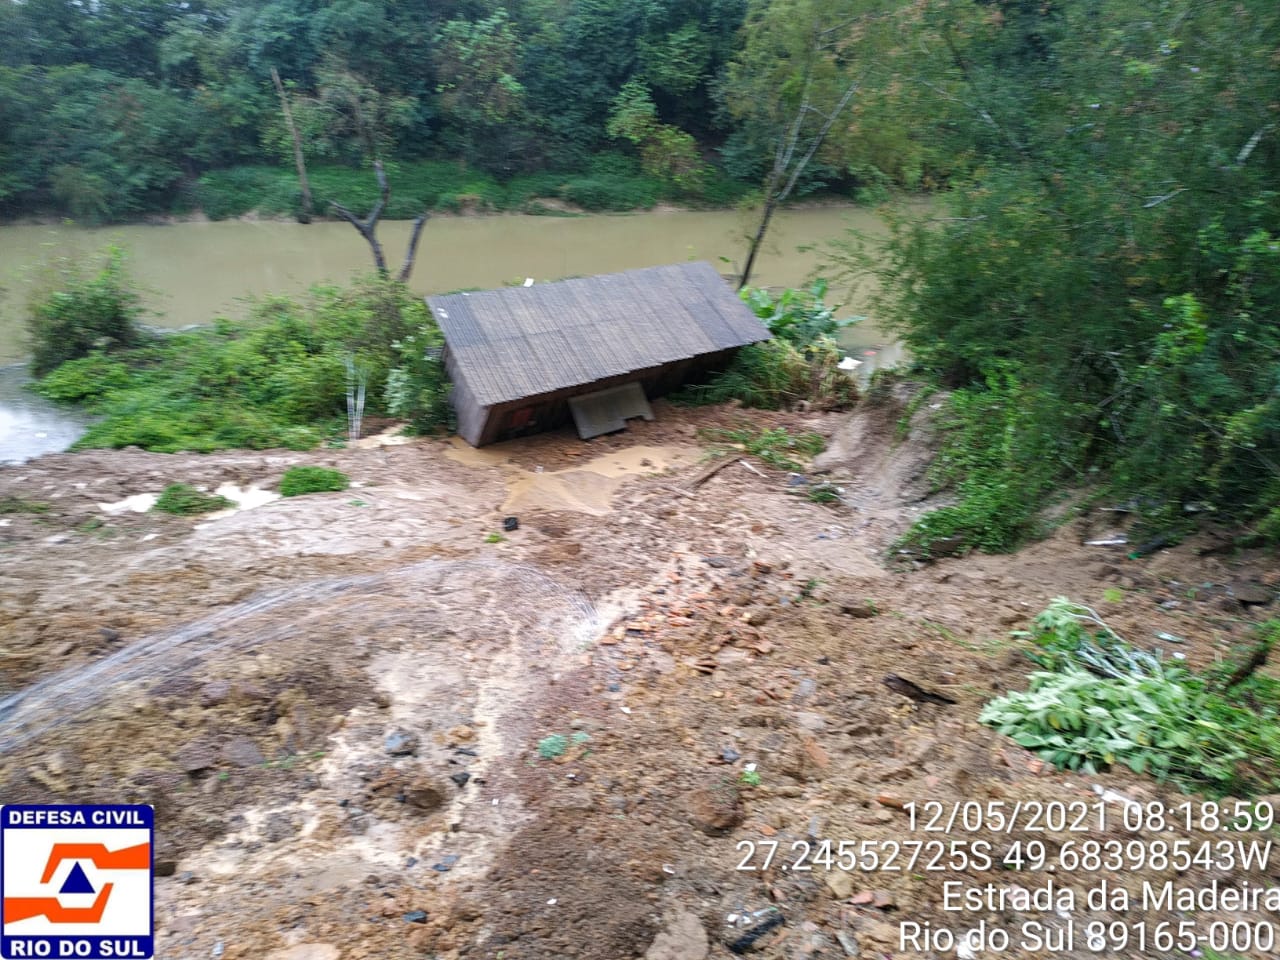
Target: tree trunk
412, 253
298, 159
758, 240
369, 227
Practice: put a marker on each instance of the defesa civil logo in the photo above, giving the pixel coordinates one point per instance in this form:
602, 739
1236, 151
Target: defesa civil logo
76, 881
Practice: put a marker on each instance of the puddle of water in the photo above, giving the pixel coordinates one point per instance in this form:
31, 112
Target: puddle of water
244, 498
588, 488
138, 503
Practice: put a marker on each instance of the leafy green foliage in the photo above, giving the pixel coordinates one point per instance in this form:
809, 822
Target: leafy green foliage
298, 481
1111, 241
801, 363
83, 314
184, 500
1101, 702
84, 381
776, 446
800, 317
277, 380
1000, 457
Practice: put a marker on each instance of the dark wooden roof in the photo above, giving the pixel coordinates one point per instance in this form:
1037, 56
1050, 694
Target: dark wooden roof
523, 341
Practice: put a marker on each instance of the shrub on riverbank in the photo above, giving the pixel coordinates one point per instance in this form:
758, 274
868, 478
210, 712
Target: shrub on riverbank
800, 363
83, 313
279, 380
611, 183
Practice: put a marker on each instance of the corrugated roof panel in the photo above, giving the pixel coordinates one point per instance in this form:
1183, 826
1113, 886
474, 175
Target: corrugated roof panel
520, 341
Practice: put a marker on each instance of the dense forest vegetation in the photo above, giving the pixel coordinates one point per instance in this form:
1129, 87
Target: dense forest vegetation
113, 109
1097, 286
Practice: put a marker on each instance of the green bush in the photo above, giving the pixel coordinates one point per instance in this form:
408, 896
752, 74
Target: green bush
83, 314
279, 380
612, 193
224, 194
84, 381
801, 363
184, 500
1101, 702
1000, 458
300, 480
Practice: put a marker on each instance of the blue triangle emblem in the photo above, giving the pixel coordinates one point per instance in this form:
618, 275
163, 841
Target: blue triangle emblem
77, 882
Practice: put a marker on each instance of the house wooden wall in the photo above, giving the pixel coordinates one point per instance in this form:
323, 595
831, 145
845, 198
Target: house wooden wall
480, 425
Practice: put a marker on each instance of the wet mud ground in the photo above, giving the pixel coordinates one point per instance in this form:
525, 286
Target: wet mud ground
370, 732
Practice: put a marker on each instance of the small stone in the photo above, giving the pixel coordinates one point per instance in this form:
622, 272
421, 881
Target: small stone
683, 938
881, 933
757, 618
424, 795
864, 898
460, 778
381, 699
109, 635
166, 868
881, 899
462, 734
849, 944
840, 883
1251, 594
243, 752
400, 743
814, 722
859, 609
196, 756
215, 693
716, 808
730, 755
816, 753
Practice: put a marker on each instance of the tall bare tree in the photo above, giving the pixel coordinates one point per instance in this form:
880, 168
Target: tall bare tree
801, 66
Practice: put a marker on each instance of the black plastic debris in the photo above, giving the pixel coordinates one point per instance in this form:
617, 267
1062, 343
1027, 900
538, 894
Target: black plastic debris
748, 940
416, 916
510, 523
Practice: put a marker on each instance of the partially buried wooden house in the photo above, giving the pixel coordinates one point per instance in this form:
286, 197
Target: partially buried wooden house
592, 350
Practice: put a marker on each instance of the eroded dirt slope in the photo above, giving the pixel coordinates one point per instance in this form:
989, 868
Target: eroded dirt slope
369, 732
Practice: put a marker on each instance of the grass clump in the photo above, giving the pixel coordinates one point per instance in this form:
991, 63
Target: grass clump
19, 505
184, 500
1098, 701
302, 480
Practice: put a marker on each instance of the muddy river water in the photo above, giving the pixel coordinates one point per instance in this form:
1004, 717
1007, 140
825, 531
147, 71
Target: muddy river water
192, 272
